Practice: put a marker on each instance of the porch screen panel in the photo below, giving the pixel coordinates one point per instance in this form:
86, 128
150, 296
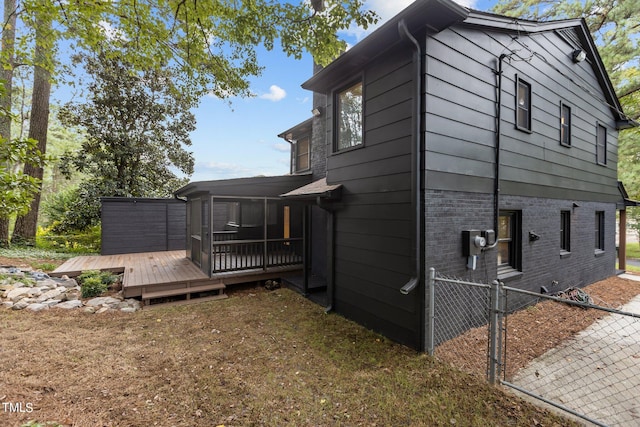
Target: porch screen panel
196, 230
204, 237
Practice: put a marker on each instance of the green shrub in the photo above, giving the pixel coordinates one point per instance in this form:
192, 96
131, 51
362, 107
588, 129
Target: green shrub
87, 241
92, 287
94, 282
74, 209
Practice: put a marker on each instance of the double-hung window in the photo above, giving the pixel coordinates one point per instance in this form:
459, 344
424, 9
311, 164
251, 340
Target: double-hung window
523, 105
509, 232
349, 117
302, 154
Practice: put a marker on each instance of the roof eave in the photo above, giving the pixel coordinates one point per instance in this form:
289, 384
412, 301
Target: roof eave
434, 15
510, 24
298, 129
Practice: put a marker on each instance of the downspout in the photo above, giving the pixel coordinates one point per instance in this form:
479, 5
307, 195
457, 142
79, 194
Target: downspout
496, 181
408, 38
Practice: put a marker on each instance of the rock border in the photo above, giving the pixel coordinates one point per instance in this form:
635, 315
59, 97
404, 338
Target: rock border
25, 289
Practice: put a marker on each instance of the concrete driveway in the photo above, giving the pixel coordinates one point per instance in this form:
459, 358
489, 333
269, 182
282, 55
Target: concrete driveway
597, 372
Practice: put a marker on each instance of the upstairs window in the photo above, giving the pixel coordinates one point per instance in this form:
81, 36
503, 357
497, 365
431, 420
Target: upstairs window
523, 105
302, 154
349, 117
601, 145
565, 125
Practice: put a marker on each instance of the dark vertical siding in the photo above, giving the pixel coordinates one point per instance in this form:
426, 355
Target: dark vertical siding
142, 225
372, 243
461, 105
539, 176
176, 224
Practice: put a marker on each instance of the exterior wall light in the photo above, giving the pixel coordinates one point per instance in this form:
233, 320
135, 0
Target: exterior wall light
317, 112
578, 55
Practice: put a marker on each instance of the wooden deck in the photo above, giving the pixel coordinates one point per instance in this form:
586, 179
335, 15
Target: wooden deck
153, 275
149, 275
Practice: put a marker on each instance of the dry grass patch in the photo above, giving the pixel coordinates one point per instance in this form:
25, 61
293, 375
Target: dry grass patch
257, 358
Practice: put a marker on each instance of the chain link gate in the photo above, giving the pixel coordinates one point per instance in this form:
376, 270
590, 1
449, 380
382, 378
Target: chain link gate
592, 373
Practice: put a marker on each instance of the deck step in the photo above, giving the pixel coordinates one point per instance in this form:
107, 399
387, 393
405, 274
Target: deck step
187, 301
218, 286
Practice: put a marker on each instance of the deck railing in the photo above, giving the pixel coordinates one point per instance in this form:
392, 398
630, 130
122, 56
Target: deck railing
220, 236
234, 255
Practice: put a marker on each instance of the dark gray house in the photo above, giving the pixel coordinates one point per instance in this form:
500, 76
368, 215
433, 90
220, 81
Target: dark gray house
480, 145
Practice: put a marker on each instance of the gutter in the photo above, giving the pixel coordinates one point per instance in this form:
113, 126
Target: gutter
408, 38
496, 179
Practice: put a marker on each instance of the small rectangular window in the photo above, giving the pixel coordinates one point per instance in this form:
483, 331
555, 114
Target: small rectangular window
565, 125
349, 116
601, 145
523, 105
599, 230
565, 231
302, 154
509, 232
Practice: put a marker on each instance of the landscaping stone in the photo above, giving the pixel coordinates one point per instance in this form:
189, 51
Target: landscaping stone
100, 301
6, 287
17, 294
66, 282
52, 302
36, 291
20, 305
70, 304
52, 294
37, 307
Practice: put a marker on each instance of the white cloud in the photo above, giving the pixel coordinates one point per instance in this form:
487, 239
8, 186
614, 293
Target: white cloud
467, 3
220, 170
386, 10
276, 93
282, 147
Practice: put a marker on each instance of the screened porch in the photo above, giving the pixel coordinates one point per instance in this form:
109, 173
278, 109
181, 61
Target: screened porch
233, 234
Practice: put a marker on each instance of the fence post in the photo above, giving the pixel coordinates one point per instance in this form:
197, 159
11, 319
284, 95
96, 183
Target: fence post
431, 311
495, 331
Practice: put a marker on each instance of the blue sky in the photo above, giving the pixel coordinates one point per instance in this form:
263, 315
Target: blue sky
240, 140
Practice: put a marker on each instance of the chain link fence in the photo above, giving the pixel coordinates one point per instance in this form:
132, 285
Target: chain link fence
561, 349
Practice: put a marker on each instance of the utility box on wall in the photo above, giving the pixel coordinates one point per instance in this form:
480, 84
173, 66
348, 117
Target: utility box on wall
472, 243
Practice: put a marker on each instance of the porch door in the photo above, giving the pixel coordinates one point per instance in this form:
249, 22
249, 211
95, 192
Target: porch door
195, 232
205, 238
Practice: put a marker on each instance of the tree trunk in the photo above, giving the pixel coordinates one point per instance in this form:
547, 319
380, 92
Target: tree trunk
26, 225
6, 74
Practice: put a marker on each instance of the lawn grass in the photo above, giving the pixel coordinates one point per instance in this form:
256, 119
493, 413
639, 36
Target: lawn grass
257, 358
633, 250
34, 257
